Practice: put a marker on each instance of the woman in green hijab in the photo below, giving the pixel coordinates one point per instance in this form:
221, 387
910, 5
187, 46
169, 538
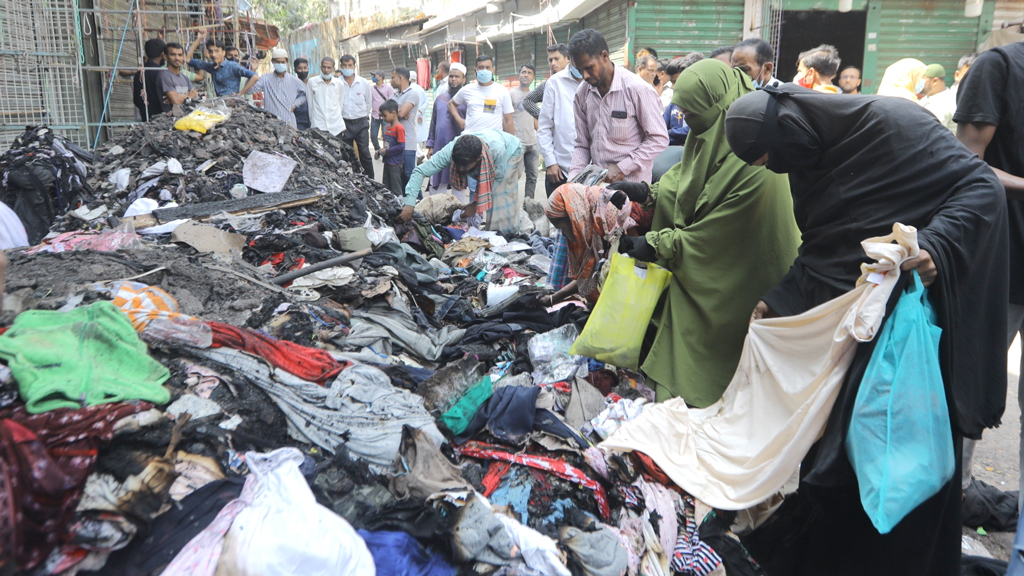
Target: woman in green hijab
726, 231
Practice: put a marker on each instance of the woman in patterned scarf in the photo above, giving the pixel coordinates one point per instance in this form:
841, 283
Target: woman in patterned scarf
589, 221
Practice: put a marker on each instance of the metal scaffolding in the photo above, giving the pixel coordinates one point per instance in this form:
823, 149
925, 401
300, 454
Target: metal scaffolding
70, 63
40, 74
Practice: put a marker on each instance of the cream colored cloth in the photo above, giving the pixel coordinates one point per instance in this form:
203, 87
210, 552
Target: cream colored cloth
901, 78
741, 450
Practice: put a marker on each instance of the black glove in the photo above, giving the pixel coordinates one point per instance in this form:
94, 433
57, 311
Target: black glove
637, 247
618, 199
637, 191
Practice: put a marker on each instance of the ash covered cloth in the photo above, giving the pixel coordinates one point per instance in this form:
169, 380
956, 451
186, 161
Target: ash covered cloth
88, 356
360, 409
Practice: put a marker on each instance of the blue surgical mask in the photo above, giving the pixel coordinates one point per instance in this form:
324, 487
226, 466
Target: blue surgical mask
575, 73
919, 87
280, 68
327, 76
484, 76
472, 183
346, 72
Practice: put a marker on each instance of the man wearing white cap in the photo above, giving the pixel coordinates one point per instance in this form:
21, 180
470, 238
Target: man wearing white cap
282, 92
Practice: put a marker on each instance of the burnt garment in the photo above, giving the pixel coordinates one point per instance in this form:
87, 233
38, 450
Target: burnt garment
990, 507
856, 166
154, 548
45, 460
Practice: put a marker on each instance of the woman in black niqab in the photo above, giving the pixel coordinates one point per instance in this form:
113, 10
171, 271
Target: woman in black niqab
857, 165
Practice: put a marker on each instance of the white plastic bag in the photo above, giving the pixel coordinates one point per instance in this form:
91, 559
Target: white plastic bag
284, 530
378, 236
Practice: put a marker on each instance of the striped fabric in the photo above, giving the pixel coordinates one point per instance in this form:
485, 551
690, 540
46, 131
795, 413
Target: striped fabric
558, 275
691, 556
624, 127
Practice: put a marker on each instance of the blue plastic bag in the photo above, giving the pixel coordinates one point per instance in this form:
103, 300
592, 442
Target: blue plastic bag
900, 441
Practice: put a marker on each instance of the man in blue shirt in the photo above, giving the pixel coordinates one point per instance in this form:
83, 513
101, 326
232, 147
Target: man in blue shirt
226, 74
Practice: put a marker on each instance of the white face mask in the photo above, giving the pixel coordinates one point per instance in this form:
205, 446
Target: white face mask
919, 87
327, 76
280, 68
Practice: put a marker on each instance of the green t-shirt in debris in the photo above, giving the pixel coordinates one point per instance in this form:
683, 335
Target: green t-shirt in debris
88, 356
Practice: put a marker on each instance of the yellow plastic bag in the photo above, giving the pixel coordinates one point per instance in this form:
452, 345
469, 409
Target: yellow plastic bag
199, 120
616, 328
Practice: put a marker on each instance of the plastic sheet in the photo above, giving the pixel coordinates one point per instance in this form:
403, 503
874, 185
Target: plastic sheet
552, 361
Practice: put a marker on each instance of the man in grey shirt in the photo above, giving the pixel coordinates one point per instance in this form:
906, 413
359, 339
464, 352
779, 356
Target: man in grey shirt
410, 98
171, 85
526, 127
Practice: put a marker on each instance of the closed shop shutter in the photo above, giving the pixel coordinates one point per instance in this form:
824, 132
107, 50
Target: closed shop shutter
933, 32
611, 19
369, 60
675, 28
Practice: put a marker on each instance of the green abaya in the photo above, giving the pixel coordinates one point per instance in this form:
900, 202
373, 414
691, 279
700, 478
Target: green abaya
726, 231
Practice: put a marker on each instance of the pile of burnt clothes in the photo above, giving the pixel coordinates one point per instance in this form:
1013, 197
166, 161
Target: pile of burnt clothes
169, 404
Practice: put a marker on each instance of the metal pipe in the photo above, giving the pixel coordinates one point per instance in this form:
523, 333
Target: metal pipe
110, 88
286, 278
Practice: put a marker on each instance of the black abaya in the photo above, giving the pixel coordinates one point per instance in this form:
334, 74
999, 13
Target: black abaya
858, 164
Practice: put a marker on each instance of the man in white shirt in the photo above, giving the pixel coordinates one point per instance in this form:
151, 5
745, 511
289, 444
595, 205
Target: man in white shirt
488, 105
938, 99
556, 145
410, 98
356, 111
325, 95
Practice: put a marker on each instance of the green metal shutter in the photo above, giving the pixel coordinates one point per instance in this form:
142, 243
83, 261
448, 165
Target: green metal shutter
675, 28
611, 19
933, 32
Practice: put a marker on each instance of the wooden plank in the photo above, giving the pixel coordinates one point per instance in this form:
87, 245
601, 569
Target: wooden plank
249, 205
256, 204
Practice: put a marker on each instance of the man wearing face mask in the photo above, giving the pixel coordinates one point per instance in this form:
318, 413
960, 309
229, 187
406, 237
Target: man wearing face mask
754, 57
556, 128
379, 93
301, 67
356, 112
674, 120
618, 116
410, 98
444, 128
488, 104
526, 127
325, 95
558, 60
936, 98
282, 92
817, 67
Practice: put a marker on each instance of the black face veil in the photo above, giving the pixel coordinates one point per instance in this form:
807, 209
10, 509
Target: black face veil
767, 121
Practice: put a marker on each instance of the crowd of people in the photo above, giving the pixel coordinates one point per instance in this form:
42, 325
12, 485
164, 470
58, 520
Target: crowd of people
754, 192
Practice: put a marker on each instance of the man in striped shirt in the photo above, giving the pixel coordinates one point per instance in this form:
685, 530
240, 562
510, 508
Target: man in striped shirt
282, 92
619, 125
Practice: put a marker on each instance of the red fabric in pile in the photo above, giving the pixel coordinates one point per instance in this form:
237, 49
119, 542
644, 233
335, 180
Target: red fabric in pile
563, 470
311, 364
45, 460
